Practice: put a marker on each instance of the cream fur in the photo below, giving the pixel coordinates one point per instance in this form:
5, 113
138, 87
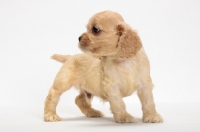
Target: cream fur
114, 66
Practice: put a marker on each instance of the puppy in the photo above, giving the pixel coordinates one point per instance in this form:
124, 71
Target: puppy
114, 66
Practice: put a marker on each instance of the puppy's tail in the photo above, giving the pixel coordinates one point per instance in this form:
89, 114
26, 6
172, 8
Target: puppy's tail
60, 58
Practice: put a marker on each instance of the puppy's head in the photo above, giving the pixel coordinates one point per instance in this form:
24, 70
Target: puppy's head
108, 34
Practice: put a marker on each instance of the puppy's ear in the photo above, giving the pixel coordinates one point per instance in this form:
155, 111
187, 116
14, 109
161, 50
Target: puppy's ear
129, 42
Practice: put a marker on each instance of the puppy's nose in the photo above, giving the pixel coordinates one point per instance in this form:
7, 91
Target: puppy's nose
79, 38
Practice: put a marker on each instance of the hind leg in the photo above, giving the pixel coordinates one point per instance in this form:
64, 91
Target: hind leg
50, 106
83, 101
61, 84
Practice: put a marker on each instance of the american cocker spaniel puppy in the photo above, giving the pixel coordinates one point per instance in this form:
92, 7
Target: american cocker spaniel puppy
113, 65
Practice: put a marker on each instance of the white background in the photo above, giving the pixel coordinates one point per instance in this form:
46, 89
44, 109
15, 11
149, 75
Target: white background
32, 30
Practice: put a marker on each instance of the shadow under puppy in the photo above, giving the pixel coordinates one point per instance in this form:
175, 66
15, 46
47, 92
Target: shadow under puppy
113, 66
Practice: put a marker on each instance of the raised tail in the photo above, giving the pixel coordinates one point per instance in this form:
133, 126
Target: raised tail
60, 58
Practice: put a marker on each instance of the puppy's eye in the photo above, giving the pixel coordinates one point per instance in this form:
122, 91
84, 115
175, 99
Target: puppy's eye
95, 30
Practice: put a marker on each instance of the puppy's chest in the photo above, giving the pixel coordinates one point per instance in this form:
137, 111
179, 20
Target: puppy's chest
123, 74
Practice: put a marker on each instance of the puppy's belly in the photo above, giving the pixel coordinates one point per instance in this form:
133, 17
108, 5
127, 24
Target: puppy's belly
92, 86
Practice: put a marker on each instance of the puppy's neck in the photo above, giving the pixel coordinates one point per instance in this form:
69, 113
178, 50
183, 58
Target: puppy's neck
108, 60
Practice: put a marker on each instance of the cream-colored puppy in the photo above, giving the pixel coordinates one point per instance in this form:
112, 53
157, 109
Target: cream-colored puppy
114, 66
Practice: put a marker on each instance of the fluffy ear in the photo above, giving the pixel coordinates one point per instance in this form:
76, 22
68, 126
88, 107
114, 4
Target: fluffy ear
129, 42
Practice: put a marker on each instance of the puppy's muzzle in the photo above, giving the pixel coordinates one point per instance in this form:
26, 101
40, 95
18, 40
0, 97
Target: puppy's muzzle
84, 40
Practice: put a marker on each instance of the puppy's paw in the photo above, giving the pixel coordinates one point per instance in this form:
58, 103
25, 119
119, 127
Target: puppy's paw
51, 118
125, 118
152, 118
93, 113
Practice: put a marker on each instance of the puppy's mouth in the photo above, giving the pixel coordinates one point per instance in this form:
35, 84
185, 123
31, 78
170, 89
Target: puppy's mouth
87, 48
83, 48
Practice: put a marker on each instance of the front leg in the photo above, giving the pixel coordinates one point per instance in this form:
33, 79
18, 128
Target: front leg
148, 106
118, 107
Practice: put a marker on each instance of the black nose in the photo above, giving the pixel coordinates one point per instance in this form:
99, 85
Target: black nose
79, 38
